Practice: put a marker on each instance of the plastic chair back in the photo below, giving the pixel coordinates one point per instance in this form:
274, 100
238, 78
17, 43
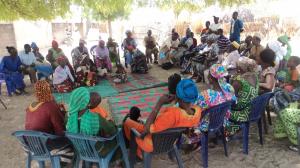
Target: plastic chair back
164, 141
258, 106
34, 142
217, 115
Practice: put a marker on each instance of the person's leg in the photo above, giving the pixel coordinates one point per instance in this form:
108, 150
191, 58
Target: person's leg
291, 118
155, 53
32, 74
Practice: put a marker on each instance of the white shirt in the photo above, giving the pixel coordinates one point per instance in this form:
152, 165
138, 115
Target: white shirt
215, 27
231, 60
27, 59
61, 74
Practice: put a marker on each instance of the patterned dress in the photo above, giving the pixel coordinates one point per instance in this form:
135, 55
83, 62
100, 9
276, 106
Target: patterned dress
241, 111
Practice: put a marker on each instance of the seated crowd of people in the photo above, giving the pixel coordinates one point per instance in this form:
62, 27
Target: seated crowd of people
235, 71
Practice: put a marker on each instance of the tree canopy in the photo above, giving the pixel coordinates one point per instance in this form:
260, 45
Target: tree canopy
179, 5
33, 9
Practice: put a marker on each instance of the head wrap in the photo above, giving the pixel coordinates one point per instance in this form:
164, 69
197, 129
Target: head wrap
89, 122
43, 91
187, 91
101, 42
235, 44
219, 72
283, 39
33, 45
247, 64
54, 43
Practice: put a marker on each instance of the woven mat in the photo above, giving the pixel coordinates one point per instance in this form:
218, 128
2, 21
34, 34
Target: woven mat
104, 88
138, 82
144, 99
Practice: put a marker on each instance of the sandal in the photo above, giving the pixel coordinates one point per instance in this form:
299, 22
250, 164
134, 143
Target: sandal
293, 148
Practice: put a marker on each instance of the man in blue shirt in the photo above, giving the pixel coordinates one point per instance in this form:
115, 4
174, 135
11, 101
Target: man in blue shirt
28, 62
236, 28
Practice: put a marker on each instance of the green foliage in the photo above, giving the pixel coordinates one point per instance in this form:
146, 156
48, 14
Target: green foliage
33, 9
230, 3
106, 9
179, 5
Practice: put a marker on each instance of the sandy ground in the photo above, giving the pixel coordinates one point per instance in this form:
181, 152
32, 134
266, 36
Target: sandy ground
273, 153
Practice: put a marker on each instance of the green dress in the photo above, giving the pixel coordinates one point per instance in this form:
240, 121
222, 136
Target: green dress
287, 122
240, 112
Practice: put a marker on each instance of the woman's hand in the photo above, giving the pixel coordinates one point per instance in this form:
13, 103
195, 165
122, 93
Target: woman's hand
166, 99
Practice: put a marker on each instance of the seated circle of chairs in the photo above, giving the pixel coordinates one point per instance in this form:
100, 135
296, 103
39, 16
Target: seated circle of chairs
168, 141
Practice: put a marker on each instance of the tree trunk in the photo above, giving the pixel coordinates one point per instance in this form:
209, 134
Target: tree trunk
109, 27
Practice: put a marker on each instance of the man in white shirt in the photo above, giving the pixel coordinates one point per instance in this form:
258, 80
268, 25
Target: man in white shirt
214, 27
28, 60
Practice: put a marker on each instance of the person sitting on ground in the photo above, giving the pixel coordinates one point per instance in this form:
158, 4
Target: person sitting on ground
129, 45
11, 67
206, 29
232, 58
150, 44
45, 115
78, 52
139, 63
28, 61
185, 115
267, 76
86, 72
43, 68
214, 27
82, 120
220, 92
223, 42
121, 74
257, 48
63, 80
245, 85
95, 106
246, 47
102, 53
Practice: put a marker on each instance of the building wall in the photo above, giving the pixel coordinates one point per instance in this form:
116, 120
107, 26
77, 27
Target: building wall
27, 32
7, 37
59, 31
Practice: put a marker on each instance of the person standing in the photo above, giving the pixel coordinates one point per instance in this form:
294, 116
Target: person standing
150, 44
214, 27
236, 28
28, 63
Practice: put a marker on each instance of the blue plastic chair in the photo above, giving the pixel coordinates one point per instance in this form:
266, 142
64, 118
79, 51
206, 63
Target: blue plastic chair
163, 142
258, 106
215, 126
85, 149
34, 144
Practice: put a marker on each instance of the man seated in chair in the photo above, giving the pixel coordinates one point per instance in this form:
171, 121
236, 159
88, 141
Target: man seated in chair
28, 63
160, 119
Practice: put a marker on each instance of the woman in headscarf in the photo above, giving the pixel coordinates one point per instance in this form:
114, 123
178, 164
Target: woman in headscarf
47, 116
185, 115
129, 44
86, 72
11, 67
220, 92
54, 53
245, 85
82, 120
102, 56
62, 78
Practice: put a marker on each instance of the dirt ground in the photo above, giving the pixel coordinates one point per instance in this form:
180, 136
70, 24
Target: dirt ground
274, 153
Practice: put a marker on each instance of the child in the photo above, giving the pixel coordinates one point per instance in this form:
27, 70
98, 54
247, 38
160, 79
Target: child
132, 119
121, 74
293, 62
95, 108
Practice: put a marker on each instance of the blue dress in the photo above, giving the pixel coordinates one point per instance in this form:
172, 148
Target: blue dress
13, 78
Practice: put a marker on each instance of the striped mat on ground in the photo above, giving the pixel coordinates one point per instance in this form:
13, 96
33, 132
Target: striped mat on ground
144, 99
138, 82
104, 88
